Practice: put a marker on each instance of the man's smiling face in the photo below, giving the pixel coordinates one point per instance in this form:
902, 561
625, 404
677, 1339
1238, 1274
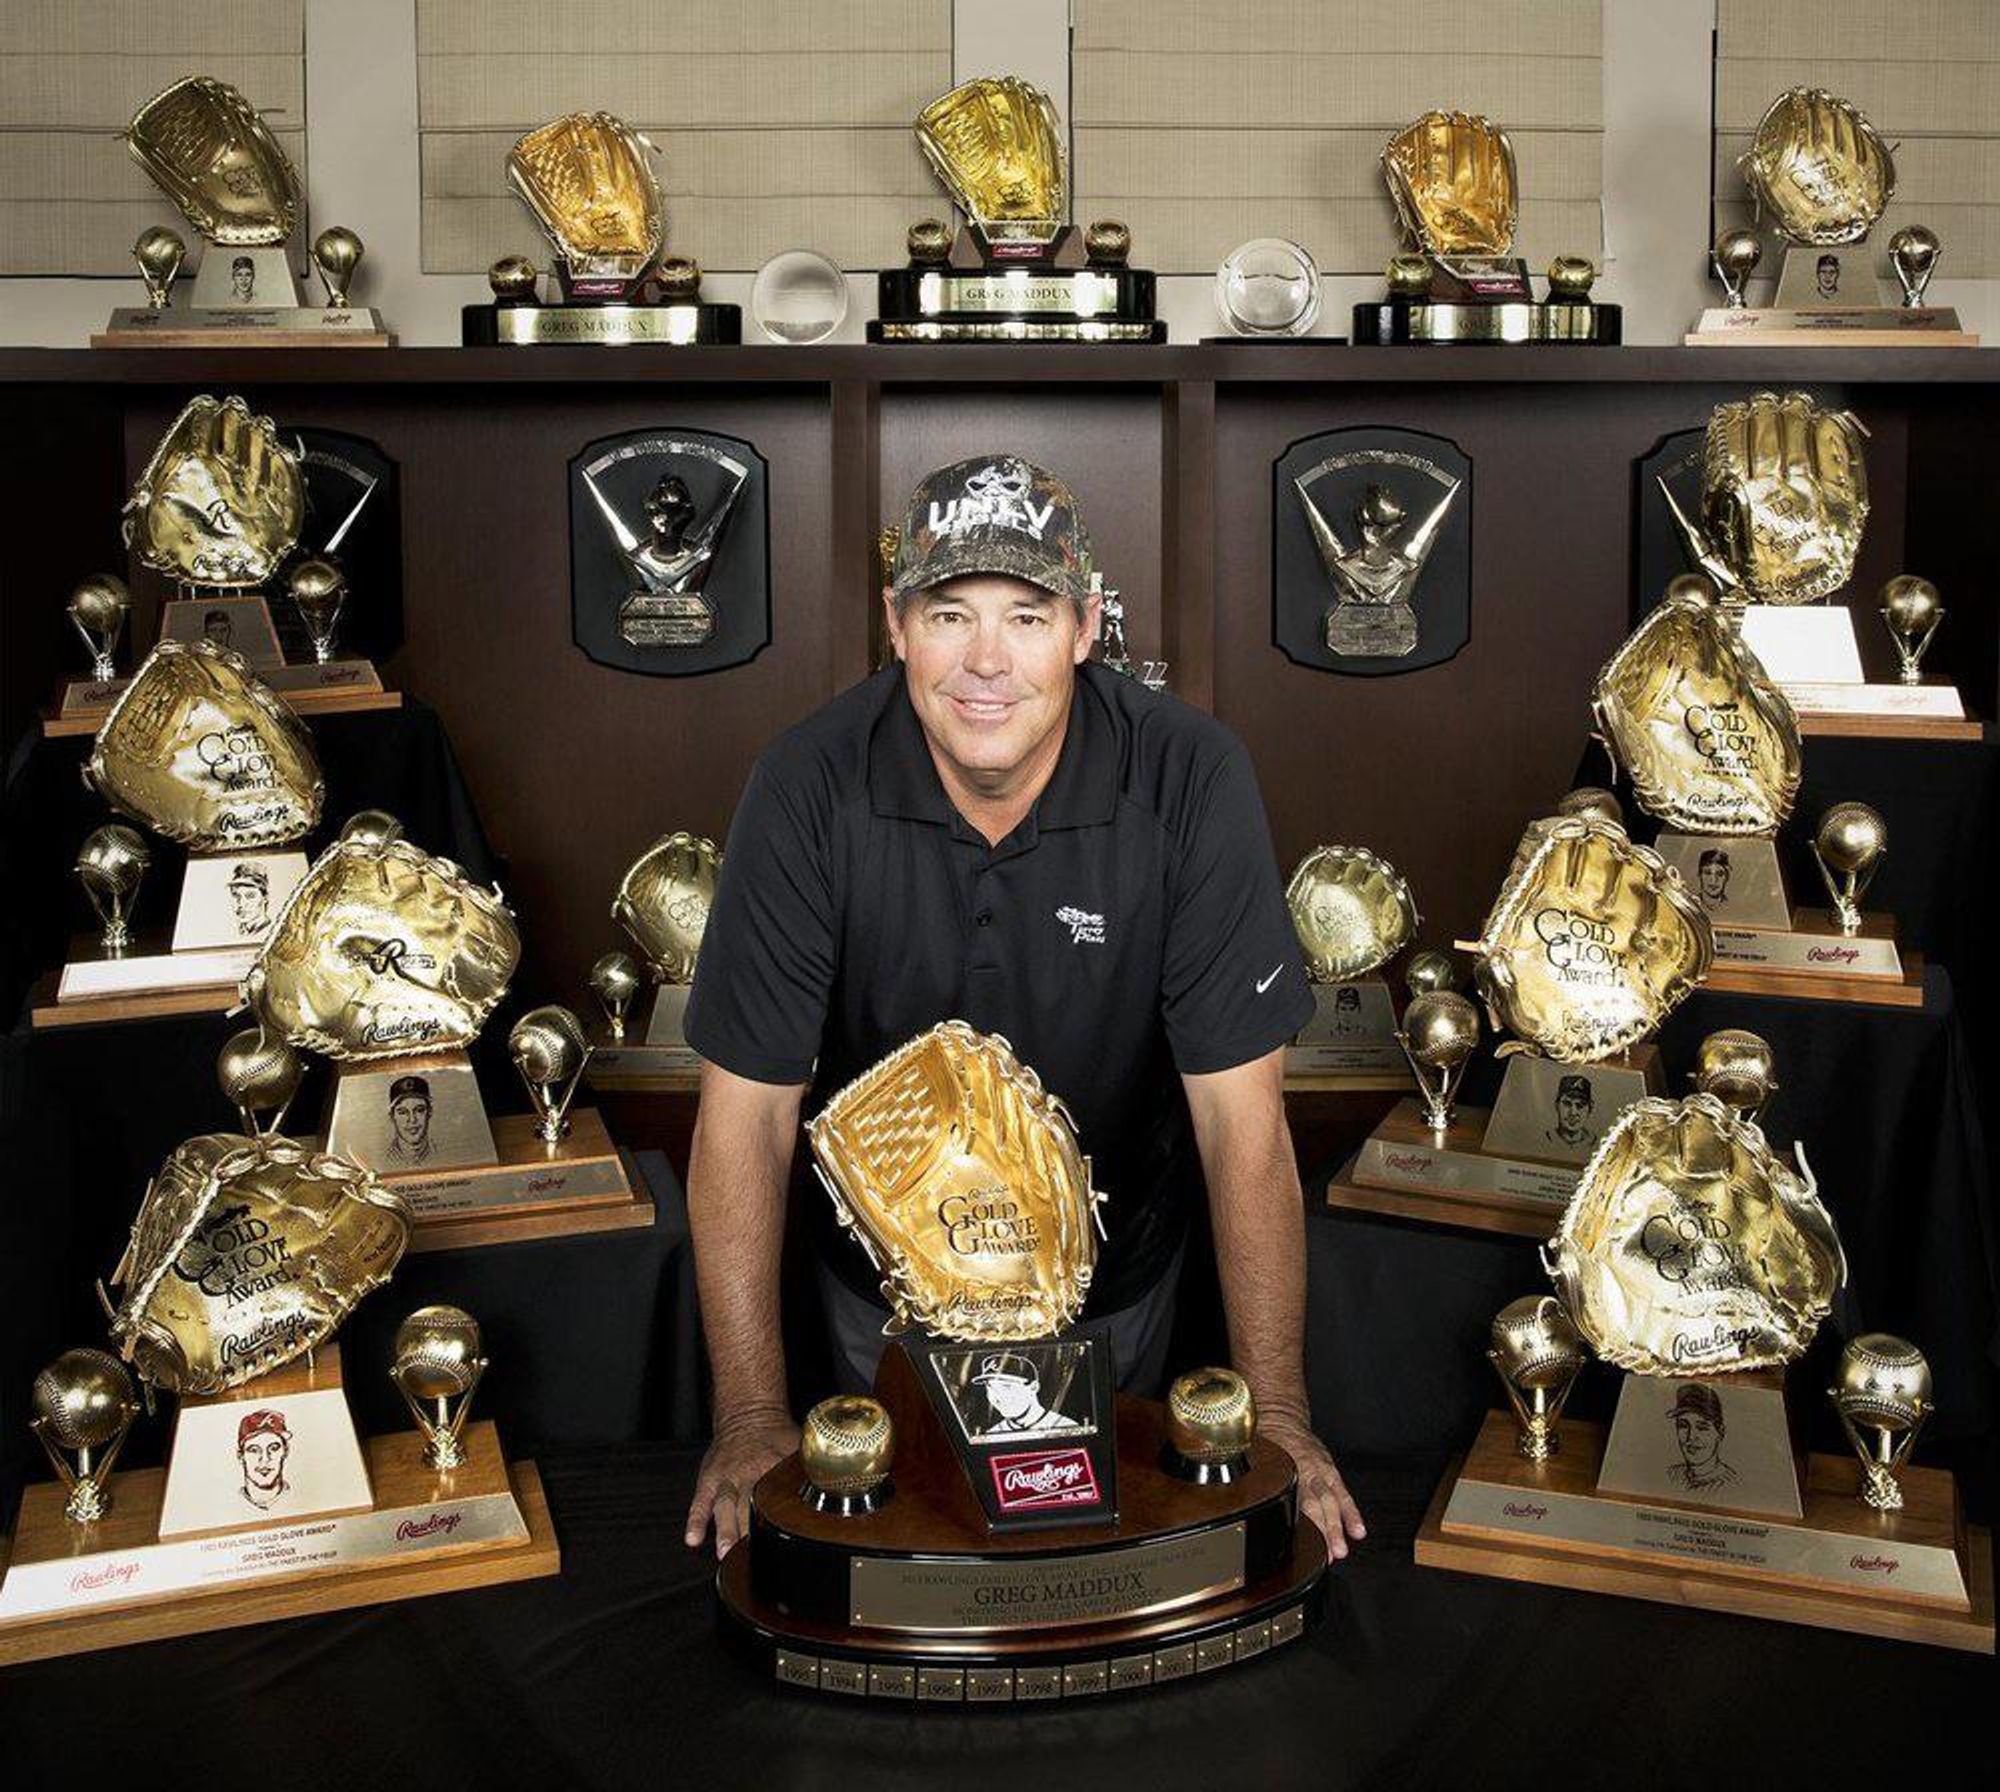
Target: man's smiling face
991, 663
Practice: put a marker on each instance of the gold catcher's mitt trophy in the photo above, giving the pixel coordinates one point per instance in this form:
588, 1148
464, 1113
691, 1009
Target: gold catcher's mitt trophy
202, 754
389, 961
1701, 1262
1590, 944
209, 151
1354, 914
662, 904
996, 1523
588, 181
1456, 278
1017, 270
1819, 178
248, 1254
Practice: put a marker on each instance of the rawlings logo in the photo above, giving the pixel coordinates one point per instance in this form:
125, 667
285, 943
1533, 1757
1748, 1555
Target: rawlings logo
1875, 1564
1029, 1480
1524, 1509
412, 1528
112, 1574
1832, 954
1410, 1163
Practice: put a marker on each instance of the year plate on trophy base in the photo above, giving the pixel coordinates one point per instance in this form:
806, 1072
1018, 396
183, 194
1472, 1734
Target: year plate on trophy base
599, 326
1350, 1042
918, 1601
1922, 1574
1816, 960
1450, 322
68, 1589
1403, 1169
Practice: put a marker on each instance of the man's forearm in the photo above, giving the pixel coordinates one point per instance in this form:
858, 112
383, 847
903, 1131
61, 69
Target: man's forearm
737, 1174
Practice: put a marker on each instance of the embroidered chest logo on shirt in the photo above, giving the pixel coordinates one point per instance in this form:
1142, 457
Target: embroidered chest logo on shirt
1085, 929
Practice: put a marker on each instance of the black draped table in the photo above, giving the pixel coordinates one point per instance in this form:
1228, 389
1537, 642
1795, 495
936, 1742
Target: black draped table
612, 1676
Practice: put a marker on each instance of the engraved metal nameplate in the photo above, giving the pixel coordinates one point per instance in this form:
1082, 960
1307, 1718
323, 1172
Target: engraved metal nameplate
1396, 1163
1353, 1028
1078, 294
678, 324
1036, 1593
1939, 701
156, 973
1830, 954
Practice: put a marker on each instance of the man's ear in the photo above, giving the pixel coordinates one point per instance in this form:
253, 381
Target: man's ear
1086, 636
893, 618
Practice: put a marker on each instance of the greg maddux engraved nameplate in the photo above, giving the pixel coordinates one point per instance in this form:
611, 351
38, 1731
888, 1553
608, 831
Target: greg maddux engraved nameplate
1041, 1592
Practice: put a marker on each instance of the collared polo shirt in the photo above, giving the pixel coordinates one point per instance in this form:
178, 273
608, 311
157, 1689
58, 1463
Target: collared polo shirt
1132, 928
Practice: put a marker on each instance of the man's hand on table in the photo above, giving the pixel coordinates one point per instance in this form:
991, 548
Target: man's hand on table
1323, 1495
738, 1456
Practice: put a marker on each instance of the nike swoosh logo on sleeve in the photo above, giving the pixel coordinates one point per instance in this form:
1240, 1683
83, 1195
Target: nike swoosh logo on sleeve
1266, 982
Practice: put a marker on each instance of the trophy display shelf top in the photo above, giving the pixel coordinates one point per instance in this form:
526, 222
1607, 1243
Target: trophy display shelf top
998, 364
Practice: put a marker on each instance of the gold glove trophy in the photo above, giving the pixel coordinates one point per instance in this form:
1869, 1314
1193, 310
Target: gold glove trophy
996, 1524
1457, 279
1354, 914
388, 961
1712, 748
208, 150
248, 1253
1776, 526
662, 904
1590, 944
588, 180
200, 753
1017, 270
1820, 177
1701, 1263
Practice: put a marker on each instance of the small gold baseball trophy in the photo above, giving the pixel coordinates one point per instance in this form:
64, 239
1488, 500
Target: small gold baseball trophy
662, 903
208, 149
1819, 178
1041, 1536
1353, 913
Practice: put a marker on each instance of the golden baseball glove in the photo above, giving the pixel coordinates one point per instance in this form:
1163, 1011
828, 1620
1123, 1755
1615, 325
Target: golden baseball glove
1784, 497
997, 147
1689, 1247
663, 902
221, 501
1352, 911
588, 178
209, 151
1591, 944
1817, 169
1710, 743
200, 750
382, 950
247, 1253
1451, 175
961, 1179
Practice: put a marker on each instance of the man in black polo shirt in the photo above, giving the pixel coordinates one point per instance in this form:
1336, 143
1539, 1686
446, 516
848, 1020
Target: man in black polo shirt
998, 831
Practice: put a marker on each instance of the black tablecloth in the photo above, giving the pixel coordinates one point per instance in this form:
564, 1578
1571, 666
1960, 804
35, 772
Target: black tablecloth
1883, 1101
612, 1676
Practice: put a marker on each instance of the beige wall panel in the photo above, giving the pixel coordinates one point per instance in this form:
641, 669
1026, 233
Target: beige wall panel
175, 29
638, 27
1858, 30
102, 92
1429, 27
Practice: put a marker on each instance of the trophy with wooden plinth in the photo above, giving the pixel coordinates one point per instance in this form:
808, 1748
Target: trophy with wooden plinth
210, 152
1353, 913
201, 753
997, 1525
588, 180
1590, 944
1457, 279
388, 961
662, 903
1696, 1261
1820, 178
1018, 270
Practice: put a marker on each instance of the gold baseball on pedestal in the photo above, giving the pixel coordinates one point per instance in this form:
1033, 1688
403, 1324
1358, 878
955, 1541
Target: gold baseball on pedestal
1882, 1392
1738, 1068
680, 279
1107, 242
83, 1402
929, 240
98, 608
847, 1446
159, 253
109, 865
318, 590
1431, 970
1537, 1352
373, 828
1443, 1027
1911, 611
437, 1358
1409, 276
1571, 277
1737, 253
337, 253
1913, 254
1211, 1416
513, 279
1849, 844
614, 981
549, 1049
259, 1074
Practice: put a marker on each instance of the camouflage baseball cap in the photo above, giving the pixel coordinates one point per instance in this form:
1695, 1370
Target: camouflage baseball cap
994, 514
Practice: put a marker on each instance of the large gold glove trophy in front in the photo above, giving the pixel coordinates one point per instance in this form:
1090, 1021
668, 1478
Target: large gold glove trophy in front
1700, 1262
997, 1524
1457, 278
1820, 177
388, 961
248, 1253
208, 149
1019, 270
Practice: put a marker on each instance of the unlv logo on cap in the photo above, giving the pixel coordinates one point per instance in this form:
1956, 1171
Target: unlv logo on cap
999, 495
1035, 1480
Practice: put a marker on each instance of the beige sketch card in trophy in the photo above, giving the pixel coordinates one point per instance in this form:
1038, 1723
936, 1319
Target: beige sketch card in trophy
230, 899
241, 624
1718, 1440
1735, 878
244, 1464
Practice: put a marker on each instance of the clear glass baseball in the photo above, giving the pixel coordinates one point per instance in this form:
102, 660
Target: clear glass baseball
799, 296
1268, 287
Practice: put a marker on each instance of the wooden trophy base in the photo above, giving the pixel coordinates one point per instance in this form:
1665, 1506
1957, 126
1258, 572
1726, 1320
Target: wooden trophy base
1922, 1575
660, 1062
1814, 959
144, 983
1751, 326
336, 688
1405, 1171
277, 326
919, 1600
66, 1589
1350, 1042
